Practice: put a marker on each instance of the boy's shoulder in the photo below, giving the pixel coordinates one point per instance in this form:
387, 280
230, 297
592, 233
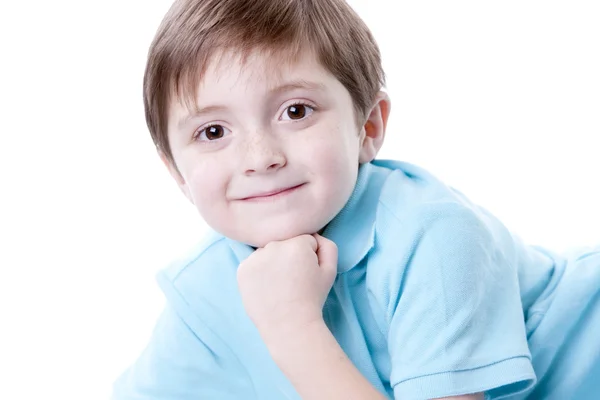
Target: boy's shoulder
395, 204
411, 193
202, 287
208, 268
414, 203
420, 217
204, 276
209, 248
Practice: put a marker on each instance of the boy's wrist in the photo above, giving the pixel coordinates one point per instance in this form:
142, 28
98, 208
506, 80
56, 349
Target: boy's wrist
289, 339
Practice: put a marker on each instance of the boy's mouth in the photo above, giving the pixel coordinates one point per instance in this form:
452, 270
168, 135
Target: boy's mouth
272, 194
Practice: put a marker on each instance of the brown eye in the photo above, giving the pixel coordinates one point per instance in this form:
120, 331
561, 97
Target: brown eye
213, 132
296, 112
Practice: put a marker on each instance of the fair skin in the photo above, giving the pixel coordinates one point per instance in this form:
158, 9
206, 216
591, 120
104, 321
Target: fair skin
270, 158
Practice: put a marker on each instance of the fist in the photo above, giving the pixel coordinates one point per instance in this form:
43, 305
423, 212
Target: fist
284, 285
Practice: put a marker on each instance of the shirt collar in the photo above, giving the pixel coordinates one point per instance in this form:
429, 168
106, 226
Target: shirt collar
353, 229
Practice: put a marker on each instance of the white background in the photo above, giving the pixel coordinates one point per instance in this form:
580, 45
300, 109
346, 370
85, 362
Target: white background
500, 99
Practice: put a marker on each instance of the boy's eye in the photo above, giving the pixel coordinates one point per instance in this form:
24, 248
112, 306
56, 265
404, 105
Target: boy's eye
297, 112
212, 132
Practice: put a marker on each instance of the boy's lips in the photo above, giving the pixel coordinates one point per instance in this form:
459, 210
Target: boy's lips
271, 194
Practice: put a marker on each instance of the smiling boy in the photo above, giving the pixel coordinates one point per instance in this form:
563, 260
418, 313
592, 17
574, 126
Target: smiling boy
283, 176
329, 274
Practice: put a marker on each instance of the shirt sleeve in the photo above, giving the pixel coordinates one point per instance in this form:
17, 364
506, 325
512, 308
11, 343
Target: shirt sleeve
457, 326
178, 365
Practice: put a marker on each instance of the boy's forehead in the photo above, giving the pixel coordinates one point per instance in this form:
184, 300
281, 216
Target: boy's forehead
231, 70
269, 69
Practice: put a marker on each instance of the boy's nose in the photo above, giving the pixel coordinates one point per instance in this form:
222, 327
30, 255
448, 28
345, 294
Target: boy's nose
271, 167
263, 155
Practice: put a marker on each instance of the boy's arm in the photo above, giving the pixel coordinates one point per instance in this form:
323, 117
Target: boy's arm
456, 318
283, 287
318, 368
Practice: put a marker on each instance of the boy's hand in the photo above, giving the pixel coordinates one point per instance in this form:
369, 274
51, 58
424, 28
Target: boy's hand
284, 285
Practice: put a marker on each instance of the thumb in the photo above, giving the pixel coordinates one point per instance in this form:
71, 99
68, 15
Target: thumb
327, 254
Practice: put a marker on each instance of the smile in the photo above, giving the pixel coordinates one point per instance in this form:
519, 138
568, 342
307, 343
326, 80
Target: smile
272, 195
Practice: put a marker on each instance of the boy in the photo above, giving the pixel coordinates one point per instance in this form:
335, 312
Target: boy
332, 275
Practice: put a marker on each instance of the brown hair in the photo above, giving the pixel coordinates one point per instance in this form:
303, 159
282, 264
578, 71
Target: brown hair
193, 31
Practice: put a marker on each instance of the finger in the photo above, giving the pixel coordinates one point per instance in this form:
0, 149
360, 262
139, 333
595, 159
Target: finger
327, 254
310, 240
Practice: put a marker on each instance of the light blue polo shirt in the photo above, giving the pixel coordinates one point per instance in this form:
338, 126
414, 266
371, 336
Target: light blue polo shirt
434, 297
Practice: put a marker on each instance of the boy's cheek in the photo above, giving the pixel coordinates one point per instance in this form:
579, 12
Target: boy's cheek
208, 187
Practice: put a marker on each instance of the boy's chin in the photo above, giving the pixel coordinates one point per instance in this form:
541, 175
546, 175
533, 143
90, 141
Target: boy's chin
261, 239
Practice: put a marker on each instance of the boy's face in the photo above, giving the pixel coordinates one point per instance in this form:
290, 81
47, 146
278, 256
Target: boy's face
273, 152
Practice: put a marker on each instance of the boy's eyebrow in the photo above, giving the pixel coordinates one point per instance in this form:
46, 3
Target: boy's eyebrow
284, 87
297, 84
198, 113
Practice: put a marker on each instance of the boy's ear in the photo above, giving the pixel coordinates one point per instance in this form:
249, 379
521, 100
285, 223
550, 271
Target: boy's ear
176, 175
374, 128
